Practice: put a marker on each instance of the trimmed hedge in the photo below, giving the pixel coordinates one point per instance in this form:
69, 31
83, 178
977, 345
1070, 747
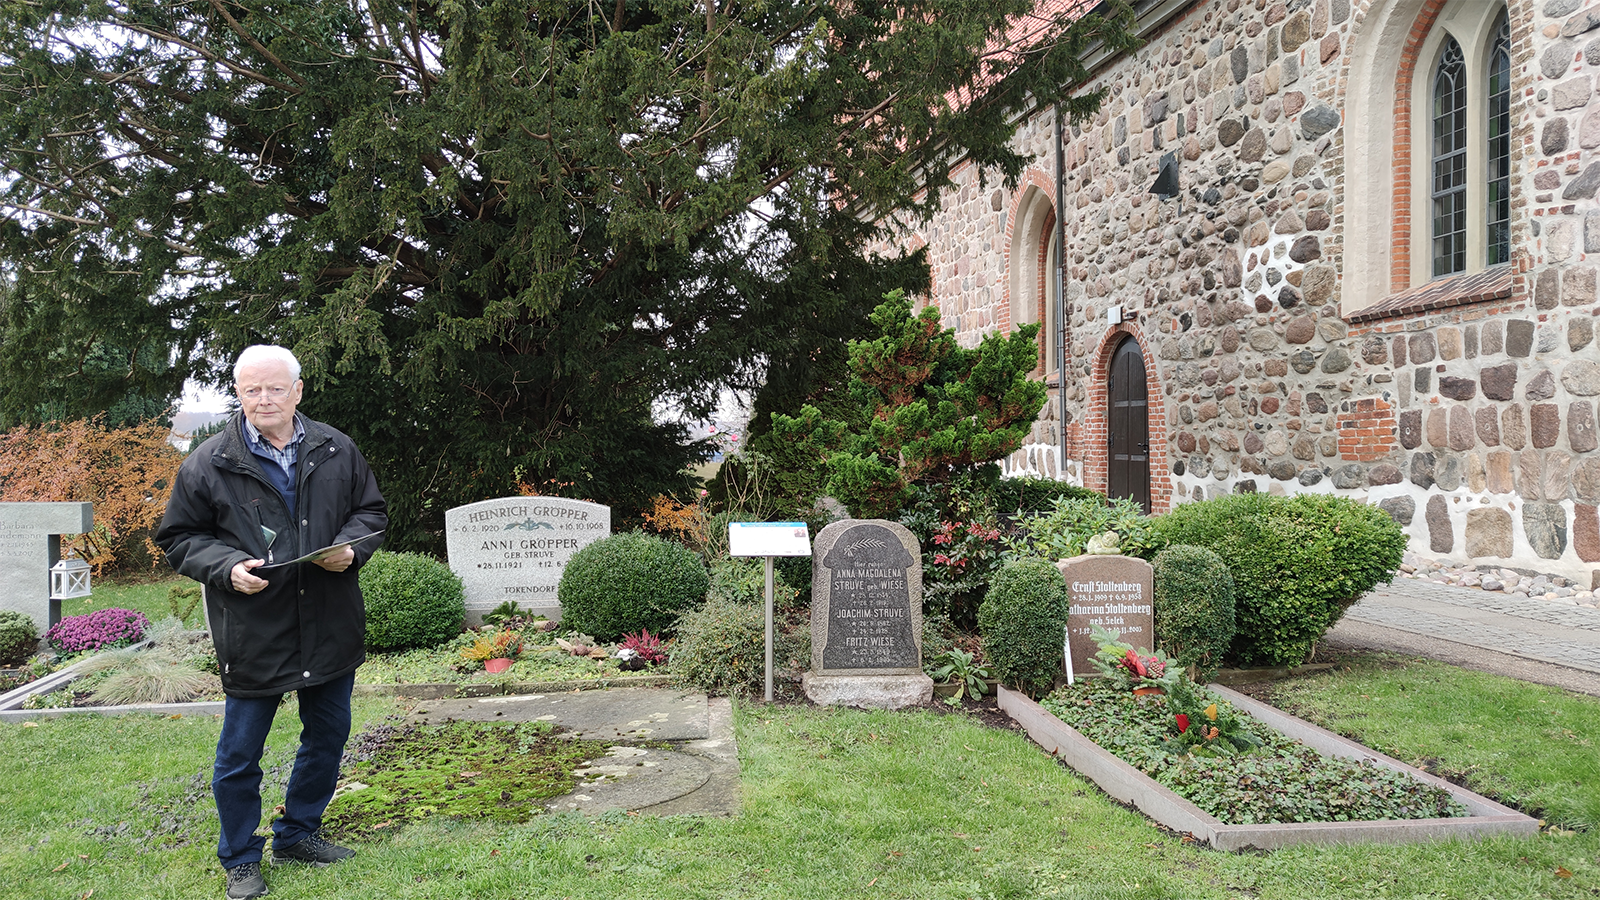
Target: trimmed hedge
413, 601
1023, 620
1194, 607
630, 581
1297, 563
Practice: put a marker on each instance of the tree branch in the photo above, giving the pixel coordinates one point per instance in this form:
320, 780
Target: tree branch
250, 39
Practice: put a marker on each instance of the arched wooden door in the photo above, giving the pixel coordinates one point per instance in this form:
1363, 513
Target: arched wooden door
1128, 453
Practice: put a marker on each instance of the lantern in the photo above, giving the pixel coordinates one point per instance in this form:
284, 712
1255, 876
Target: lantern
69, 578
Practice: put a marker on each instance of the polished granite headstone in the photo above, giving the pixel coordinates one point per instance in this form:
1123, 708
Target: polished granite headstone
1116, 593
515, 548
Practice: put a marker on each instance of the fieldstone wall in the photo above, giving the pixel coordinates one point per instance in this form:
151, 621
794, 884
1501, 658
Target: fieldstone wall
1473, 425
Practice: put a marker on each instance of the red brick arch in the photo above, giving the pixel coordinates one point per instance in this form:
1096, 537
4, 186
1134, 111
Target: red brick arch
1031, 178
1096, 420
1400, 217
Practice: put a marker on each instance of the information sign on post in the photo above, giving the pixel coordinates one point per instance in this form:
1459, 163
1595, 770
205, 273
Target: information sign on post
769, 539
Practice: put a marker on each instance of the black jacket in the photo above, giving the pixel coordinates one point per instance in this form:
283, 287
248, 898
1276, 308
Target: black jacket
308, 626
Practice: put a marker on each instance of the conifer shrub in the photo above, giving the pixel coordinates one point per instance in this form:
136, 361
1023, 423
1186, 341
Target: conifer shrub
744, 579
1297, 563
19, 637
413, 601
629, 582
1194, 607
1023, 620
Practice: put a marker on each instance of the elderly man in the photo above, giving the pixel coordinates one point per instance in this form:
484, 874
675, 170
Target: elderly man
269, 488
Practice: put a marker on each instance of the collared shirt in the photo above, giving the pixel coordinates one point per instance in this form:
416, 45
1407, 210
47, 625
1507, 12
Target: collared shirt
284, 458
280, 470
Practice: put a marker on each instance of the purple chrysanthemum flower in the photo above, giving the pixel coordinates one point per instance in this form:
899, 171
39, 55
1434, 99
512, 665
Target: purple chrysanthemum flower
97, 630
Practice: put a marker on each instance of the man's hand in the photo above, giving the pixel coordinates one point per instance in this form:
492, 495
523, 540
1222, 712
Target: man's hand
243, 581
338, 562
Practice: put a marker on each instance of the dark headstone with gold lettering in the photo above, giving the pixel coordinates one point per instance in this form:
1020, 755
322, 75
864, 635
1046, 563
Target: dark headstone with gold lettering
866, 616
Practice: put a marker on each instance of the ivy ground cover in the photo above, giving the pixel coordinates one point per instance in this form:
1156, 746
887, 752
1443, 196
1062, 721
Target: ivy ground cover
1276, 779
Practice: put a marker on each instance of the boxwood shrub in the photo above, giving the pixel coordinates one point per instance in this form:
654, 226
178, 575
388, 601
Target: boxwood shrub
413, 601
1022, 620
630, 581
19, 637
1297, 563
1194, 606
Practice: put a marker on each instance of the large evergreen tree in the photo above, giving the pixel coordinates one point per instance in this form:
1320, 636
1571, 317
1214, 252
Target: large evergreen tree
504, 235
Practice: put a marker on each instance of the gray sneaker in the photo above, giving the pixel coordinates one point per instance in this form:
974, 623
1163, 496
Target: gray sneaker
245, 881
313, 850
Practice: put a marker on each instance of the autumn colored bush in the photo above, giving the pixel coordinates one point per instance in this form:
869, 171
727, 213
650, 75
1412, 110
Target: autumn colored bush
125, 472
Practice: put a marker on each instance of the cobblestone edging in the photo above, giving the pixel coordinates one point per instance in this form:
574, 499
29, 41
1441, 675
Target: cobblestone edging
1497, 579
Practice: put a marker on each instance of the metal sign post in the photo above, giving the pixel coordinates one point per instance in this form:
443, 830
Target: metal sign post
769, 540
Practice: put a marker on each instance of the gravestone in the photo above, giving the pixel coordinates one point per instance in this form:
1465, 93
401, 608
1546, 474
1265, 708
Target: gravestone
515, 548
30, 543
866, 617
1115, 592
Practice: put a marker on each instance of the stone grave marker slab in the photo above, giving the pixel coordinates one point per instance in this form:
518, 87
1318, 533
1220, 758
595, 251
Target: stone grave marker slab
515, 548
30, 543
1115, 592
866, 616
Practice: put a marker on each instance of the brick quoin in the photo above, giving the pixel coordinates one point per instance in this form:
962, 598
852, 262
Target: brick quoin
1367, 430
1089, 436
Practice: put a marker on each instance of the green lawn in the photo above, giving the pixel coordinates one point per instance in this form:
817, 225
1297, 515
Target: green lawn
1529, 746
837, 803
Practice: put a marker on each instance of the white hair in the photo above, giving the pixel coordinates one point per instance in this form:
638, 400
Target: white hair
260, 353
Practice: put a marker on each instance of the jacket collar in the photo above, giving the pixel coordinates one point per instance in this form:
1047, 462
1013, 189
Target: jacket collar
234, 451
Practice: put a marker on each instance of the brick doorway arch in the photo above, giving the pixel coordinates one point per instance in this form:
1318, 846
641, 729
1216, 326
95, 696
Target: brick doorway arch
1128, 425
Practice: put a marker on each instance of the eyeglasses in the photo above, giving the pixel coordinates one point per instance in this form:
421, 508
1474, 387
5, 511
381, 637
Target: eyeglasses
276, 393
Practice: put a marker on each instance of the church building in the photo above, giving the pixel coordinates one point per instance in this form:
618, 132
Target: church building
1315, 246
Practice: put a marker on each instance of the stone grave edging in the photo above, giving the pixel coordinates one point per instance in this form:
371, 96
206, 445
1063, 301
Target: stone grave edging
1129, 785
413, 691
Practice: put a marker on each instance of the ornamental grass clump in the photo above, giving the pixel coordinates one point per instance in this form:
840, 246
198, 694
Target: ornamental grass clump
101, 630
160, 675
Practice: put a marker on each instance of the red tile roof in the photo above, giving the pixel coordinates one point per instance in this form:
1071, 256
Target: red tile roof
1456, 290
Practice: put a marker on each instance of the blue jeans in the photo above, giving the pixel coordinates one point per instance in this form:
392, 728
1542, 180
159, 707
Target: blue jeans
236, 780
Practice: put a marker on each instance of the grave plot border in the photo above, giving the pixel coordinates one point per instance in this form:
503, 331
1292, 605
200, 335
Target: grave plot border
1129, 785
410, 691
